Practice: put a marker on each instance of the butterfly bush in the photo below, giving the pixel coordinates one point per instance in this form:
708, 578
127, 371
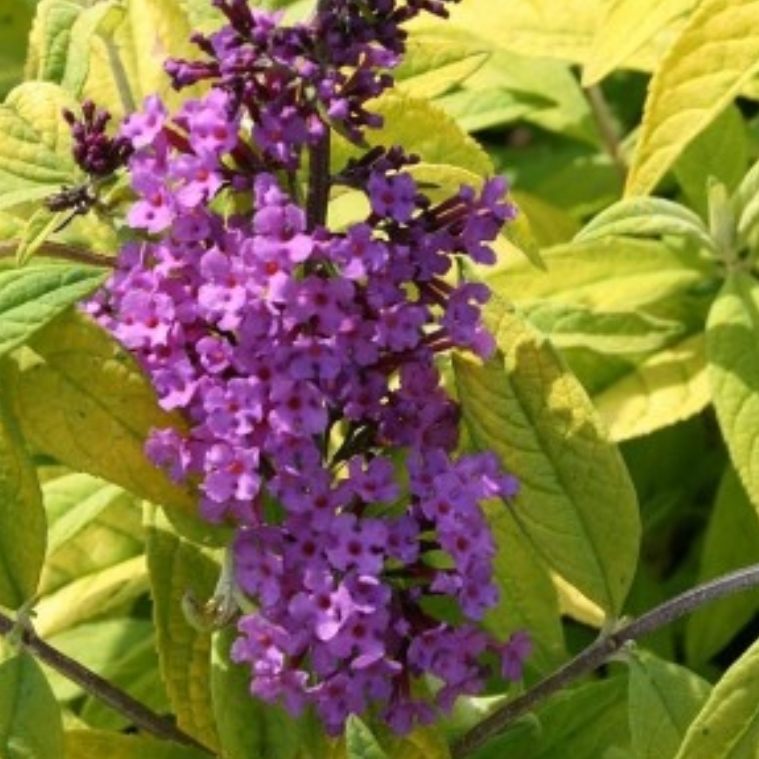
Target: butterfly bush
306, 361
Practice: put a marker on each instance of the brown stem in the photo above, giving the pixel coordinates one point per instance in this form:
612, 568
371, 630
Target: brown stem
137, 713
62, 251
602, 651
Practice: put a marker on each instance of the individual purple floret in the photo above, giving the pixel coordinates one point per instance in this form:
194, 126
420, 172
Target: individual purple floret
306, 362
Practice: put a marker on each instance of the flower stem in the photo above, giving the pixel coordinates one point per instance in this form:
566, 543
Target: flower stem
62, 251
318, 183
137, 713
601, 651
607, 127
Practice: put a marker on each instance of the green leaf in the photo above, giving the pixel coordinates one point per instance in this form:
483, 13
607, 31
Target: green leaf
730, 543
623, 29
32, 296
646, 217
692, 87
746, 207
719, 152
576, 502
728, 725
14, 30
38, 229
436, 62
620, 333
665, 388
359, 741
732, 349
35, 148
528, 598
30, 720
247, 727
663, 700
113, 588
176, 568
77, 366
422, 129
23, 528
49, 39
86, 744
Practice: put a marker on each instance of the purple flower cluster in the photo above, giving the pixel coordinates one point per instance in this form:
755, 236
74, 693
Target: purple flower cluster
305, 360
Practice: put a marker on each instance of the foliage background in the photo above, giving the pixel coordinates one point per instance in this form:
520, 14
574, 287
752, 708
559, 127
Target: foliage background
625, 396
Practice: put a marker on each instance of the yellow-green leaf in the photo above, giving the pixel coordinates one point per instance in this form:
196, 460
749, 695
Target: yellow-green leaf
624, 28
86, 744
717, 52
32, 296
728, 725
732, 350
81, 399
663, 700
30, 719
176, 568
668, 387
731, 542
576, 503
359, 741
23, 527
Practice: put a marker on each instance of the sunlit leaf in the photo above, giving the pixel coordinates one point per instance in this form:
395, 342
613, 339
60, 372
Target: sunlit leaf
669, 386
30, 719
80, 390
727, 727
576, 502
86, 744
691, 88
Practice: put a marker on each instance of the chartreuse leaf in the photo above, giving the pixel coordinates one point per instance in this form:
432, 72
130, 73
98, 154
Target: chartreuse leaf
727, 727
746, 207
86, 744
30, 719
623, 29
178, 567
32, 296
435, 62
576, 503
49, 39
423, 129
669, 386
247, 727
664, 698
717, 52
82, 400
646, 217
359, 741
23, 528
732, 350
35, 144
731, 542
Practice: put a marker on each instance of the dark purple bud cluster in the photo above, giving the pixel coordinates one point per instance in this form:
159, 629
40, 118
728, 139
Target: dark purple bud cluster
95, 152
306, 361
296, 82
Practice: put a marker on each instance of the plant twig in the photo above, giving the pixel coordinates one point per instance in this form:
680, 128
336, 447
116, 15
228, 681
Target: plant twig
60, 250
607, 127
602, 651
137, 713
318, 182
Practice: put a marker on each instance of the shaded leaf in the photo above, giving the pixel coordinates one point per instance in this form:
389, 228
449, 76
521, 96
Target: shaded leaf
177, 567
691, 88
576, 502
731, 542
732, 350
23, 528
664, 698
359, 741
30, 720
